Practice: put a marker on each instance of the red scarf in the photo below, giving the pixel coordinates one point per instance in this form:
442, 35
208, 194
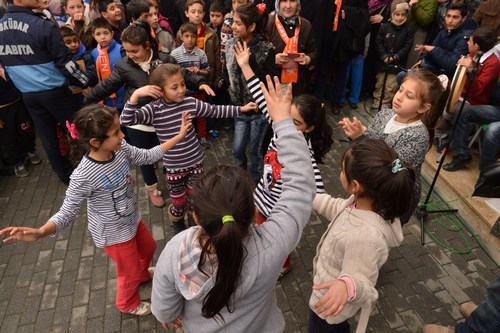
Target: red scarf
200, 41
290, 70
338, 4
103, 66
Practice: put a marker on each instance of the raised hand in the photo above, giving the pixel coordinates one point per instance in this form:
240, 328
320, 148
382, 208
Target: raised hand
242, 53
352, 129
185, 124
206, 88
278, 105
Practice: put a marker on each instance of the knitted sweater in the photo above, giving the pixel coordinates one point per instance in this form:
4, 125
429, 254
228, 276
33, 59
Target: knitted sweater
356, 243
267, 245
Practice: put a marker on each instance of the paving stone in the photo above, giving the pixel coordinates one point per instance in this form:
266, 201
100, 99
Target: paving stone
37, 283
389, 313
99, 277
43, 260
49, 296
67, 283
44, 321
78, 319
62, 316
85, 268
95, 325
25, 275
449, 303
30, 310
398, 301
10, 323
17, 299
112, 319
71, 262
82, 292
26, 329
97, 304
454, 289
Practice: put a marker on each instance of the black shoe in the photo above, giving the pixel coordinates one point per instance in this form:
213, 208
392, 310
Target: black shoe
457, 163
353, 106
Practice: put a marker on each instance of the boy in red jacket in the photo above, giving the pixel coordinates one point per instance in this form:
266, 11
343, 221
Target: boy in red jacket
481, 40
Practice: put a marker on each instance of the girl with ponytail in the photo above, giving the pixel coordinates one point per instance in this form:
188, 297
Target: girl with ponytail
220, 275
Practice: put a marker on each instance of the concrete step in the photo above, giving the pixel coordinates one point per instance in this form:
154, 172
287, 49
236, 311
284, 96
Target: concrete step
480, 216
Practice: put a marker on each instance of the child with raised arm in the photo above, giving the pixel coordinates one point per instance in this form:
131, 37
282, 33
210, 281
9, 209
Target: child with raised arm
409, 126
220, 276
308, 115
362, 230
103, 178
184, 163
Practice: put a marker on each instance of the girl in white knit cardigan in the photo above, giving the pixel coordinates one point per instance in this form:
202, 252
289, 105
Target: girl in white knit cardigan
362, 230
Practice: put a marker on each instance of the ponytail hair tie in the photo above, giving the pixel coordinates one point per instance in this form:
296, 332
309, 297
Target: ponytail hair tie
262, 8
227, 218
72, 130
444, 81
396, 166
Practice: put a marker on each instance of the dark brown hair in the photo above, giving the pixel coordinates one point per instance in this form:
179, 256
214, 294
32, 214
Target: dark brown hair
313, 112
249, 14
162, 73
91, 122
189, 3
485, 37
431, 91
370, 163
100, 22
189, 27
224, 190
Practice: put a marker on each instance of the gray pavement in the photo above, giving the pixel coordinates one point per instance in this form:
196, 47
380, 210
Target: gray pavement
65, 284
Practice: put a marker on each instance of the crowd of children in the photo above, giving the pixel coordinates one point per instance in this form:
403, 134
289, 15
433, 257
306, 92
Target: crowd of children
131, 66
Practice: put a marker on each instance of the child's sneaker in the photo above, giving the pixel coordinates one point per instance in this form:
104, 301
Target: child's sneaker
204, 143
144, 308
155, 196
33, 158
213, 133
21, 170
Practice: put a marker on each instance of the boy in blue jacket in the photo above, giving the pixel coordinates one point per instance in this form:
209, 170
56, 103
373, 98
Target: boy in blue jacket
105, 56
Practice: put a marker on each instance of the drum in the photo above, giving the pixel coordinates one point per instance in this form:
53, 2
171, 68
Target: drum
456, 87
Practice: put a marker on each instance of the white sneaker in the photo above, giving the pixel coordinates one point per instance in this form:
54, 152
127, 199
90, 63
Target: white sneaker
144, 308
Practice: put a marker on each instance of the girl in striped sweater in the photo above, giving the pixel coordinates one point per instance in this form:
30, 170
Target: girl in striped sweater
103, 178
308, 115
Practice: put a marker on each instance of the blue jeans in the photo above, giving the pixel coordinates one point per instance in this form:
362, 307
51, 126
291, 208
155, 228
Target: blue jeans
355, 70
478, 114
486, 318
248, 129
145, 140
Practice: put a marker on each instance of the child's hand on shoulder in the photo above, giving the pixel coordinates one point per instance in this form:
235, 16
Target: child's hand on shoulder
185, 124
250, 106
278, 105
149, 90
352, 129
242, 54
334, 300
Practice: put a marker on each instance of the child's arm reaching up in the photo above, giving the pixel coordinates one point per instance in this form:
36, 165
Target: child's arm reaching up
242, 53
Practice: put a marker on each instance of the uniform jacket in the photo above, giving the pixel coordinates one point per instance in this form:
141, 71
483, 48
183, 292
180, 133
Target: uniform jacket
33, 53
